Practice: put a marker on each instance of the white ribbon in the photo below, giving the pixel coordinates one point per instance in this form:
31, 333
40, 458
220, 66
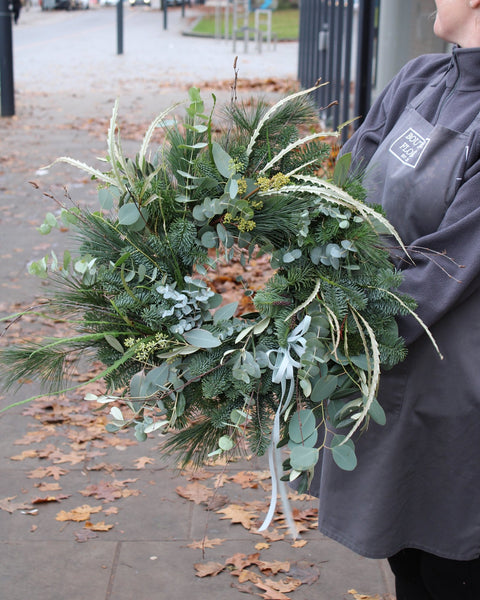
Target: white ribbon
283, 371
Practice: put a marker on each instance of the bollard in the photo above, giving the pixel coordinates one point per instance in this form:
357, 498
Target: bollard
119, 26
7, 101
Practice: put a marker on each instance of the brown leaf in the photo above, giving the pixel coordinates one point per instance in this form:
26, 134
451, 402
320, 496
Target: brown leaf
84, 535
299, 544
208, 569
142, 461
306, 572
100, 526
247, 575
274, 567
241, 561
216, 502
250, 479
206, 543
288, 584
262, 546
102, 491
195, 492
9, 506
270, 592
48, 487
113, 510
73, 458
51, 471
271, 535
25, 454
80, 513
46, 499
238, 514
359, 596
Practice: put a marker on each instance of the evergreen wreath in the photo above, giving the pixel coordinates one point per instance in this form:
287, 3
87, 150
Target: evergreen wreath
302, 368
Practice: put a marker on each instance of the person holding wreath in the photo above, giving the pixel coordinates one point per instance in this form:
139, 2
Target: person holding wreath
414, 496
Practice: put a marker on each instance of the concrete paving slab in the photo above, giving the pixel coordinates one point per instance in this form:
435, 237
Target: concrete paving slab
167, 570
44, 571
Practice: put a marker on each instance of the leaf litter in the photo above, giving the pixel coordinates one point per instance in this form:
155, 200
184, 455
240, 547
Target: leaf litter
78, 436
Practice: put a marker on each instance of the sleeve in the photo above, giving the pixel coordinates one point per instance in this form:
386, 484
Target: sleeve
446, 270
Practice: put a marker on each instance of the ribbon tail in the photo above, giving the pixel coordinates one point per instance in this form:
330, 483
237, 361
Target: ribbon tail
278, 486
273, 498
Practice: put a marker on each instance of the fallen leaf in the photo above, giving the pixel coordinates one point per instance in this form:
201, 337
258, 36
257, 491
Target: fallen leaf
299, 544
48, 487
206, 543
262, 546
104, 490
100, 526
359, 596
250, 479
25, 454
241, 561
81, 513
9, 506
247, 575
270, 592
306, 572
142, 461
274, 567
208, 569
45, 499
238, 514
112, 510
51, 471
196, 492
84, 535
74, 458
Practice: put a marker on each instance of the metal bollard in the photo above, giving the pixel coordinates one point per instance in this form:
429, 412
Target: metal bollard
7, 101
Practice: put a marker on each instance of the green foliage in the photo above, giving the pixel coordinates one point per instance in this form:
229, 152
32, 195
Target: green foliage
137, 289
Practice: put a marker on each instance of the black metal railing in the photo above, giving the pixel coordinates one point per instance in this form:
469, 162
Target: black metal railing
337, 45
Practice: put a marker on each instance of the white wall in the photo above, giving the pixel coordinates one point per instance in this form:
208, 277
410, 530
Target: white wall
405, 31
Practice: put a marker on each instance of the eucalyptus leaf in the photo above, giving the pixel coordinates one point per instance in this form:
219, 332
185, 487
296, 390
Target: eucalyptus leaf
302, 425
303, 458
225, 443
324, 388
344, 455
128, 214
377, 413
224, 313
223, 161
201, 338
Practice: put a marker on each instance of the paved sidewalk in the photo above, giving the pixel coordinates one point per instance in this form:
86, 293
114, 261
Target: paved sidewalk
63, 104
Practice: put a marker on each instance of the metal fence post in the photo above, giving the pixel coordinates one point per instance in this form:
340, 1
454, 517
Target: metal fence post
7, 100
364, 75
119, 26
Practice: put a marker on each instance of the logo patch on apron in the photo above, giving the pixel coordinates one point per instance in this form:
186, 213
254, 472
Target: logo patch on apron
409, 147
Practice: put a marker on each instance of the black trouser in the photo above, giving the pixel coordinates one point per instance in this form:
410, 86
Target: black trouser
423, 576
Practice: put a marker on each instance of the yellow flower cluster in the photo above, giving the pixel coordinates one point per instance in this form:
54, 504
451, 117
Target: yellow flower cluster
145, 349
276, 182
242, 186
235, 165
242, 224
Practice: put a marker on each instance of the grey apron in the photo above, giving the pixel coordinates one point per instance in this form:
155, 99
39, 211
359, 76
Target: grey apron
416, 171
408, 489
